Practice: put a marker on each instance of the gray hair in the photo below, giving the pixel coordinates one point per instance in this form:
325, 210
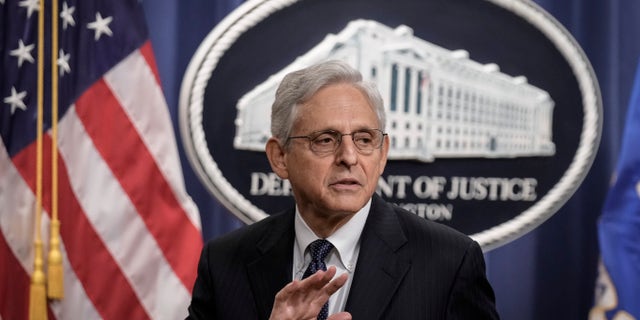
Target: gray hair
299, 86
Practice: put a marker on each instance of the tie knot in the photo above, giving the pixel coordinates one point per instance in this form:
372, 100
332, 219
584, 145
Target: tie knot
319, 249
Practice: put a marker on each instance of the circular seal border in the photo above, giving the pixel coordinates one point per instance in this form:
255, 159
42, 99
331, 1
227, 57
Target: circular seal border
252, 12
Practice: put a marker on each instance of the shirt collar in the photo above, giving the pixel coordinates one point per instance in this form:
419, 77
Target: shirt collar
345, 239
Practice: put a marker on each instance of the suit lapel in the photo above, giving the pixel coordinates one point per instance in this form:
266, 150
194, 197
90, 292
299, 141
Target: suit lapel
272, 269
380, 269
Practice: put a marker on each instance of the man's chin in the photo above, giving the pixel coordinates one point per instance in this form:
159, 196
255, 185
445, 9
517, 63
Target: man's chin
348, 203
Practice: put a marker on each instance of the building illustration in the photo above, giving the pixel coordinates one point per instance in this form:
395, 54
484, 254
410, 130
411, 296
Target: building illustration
439, 103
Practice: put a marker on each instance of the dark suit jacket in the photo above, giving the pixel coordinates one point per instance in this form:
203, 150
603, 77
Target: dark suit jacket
408, 268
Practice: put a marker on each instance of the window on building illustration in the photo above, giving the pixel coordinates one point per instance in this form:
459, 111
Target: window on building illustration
394, 87
407, 142
374, 72
429, 95
419, 86
407, 89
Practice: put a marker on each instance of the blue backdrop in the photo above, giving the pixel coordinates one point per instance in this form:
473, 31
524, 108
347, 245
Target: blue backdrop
550, 272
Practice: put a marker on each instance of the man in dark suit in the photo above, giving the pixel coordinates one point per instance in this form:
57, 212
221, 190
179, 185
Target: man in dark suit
329, 142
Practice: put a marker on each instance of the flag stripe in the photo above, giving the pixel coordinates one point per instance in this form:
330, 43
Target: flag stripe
16, 240
147, 52
88, 256
18, 207
160, 125
14, 289
143, 264
76, 303
127, 156
141, 104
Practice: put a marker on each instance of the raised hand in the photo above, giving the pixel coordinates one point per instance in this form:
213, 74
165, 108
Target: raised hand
302, 299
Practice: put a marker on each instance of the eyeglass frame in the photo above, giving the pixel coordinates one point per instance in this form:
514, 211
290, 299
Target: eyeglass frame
314, 135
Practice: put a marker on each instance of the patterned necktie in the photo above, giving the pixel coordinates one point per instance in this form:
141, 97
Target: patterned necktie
319, 250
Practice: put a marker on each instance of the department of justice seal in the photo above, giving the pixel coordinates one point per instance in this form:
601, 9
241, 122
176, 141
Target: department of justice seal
493, 110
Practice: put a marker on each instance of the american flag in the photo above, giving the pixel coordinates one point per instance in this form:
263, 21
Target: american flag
130, 233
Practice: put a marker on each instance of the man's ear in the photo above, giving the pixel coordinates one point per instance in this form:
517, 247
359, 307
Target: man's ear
276, 155
385, 152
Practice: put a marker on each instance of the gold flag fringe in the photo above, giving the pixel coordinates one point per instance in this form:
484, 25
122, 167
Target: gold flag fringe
55, 272
37, 294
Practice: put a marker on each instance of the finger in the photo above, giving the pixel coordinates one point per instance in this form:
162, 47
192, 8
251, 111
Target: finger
320, 283
318, 280
340, 316
291, 289
337, 283
322, 295
328, 275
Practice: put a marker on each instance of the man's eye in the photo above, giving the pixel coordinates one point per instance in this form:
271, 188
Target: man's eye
324, 139
364, 139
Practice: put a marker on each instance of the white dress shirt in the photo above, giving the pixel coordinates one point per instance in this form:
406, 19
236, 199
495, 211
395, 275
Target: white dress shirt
344, 255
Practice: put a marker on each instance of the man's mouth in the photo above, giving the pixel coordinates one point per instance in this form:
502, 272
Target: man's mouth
346, 183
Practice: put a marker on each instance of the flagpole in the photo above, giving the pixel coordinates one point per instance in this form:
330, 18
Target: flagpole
55, 272
37, 297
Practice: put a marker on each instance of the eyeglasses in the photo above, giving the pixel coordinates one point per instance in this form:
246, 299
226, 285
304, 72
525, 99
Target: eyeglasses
328, 141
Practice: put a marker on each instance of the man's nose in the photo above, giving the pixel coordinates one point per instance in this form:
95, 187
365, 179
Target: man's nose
347, 152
